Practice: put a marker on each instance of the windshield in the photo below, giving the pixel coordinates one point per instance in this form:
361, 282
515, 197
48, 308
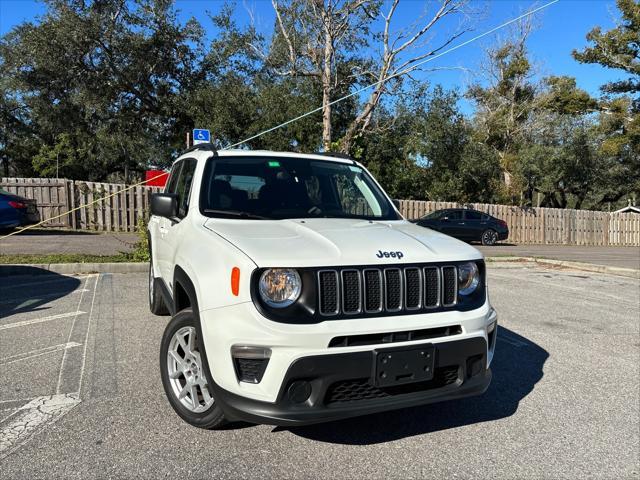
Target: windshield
279, 188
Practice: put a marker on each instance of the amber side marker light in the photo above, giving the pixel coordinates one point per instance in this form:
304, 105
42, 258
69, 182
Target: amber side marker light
235, 281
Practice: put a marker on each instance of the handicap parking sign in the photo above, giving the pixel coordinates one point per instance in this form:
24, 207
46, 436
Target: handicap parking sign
201, 136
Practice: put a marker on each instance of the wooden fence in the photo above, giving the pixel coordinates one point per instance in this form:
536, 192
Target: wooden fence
112, 213
548, 225
122, 212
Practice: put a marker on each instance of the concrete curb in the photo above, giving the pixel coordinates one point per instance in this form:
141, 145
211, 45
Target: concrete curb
72, 268
549, 262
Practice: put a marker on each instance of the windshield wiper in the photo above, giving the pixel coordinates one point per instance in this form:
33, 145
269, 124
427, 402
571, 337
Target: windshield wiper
235, 213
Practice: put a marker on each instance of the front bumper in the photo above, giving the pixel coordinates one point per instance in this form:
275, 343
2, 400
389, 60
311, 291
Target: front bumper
242, 324
31, 218
341, 386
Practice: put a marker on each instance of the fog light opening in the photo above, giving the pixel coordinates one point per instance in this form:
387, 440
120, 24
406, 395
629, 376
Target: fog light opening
299, 391
250, 362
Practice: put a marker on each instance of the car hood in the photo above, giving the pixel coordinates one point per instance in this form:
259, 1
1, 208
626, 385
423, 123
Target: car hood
329, 242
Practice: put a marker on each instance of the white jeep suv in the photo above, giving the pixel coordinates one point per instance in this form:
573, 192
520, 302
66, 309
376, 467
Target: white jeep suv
299, 294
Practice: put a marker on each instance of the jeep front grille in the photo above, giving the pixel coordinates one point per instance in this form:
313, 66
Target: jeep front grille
410, 289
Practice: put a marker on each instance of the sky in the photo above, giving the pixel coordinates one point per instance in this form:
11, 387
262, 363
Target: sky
562, 27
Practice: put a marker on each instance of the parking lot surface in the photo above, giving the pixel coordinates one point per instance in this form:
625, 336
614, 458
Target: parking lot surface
623, 257
81, 397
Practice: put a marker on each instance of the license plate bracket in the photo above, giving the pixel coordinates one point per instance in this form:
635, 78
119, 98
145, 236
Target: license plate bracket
403, 365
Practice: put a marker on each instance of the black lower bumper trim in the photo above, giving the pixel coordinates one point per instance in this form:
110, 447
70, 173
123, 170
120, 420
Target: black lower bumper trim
323, 372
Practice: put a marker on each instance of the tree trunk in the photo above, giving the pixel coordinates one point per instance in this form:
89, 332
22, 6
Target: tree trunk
363, 120
326, 82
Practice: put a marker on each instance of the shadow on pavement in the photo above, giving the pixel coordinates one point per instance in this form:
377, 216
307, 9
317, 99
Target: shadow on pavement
26, 289
517, 367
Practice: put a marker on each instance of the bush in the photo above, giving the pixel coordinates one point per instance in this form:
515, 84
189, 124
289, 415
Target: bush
140, 251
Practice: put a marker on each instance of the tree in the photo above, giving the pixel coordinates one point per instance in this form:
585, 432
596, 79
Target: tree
325, 42
504, 106
619, 49
561, 95
393, 66
313, 38
425, 149
619, 122
559, 160
105, 77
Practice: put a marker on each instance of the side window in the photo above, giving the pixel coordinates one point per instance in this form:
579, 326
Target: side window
173, 178
454, 215
472, 215
183, 187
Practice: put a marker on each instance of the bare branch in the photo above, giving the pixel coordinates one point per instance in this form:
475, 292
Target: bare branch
285, 35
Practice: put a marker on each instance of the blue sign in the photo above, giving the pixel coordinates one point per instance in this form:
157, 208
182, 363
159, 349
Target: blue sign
201, 136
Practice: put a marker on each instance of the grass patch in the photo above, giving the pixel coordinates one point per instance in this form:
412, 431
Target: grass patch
68, 258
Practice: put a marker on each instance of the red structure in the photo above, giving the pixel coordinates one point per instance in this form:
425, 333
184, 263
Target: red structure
156, 178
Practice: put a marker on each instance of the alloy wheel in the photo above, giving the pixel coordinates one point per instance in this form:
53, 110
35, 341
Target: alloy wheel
489, 237
186, 375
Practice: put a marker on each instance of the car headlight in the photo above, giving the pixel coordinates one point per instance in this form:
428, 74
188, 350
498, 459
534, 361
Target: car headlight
280, 287
468, 278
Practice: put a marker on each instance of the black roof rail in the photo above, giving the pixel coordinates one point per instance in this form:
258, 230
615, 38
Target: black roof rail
201, 146
337, 155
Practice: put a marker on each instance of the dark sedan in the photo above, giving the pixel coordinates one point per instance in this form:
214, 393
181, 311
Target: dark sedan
16, 211
468, 225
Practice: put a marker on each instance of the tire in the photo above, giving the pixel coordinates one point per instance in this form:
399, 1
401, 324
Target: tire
188, 376
156, 302
489, 237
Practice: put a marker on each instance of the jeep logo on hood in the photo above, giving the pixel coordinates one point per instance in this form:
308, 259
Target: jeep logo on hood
382, 254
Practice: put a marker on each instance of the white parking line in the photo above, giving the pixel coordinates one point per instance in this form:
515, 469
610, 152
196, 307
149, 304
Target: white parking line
86, 338
39, 352
35, 415
64, 355
19, 426
40, 320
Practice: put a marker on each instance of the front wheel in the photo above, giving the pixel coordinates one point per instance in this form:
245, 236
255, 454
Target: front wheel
183, 376
489, 237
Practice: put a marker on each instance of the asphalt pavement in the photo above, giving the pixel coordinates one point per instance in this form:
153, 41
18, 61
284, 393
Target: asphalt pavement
81, 397
44, 242
625, 257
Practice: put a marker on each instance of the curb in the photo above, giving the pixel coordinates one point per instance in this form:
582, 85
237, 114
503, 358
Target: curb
73, 268
549, 262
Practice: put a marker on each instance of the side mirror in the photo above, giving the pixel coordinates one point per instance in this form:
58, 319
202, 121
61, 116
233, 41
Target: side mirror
164, 205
